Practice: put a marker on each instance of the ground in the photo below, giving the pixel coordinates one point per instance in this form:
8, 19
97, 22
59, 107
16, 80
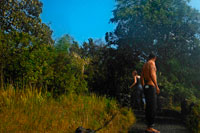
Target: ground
166, 122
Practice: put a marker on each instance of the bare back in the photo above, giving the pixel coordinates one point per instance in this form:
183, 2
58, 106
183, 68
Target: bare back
148, 70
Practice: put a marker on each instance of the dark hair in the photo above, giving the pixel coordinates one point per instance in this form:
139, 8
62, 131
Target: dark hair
151, 56
134, 72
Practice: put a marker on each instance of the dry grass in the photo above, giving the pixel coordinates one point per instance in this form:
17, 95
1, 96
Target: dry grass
31, 111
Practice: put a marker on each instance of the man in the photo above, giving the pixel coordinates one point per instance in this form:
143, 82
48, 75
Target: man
151, 89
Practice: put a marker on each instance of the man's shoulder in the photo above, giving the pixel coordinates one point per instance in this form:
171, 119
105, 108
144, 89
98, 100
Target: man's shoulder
148, 63
151, 63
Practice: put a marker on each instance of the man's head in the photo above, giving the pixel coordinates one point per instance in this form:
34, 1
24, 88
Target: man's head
152, 57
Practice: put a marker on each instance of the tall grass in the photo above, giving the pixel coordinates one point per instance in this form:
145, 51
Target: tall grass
32, 111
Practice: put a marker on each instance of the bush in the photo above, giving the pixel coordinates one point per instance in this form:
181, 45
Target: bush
175, 92
193, 119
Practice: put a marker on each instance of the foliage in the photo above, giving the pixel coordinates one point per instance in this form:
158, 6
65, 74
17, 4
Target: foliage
24, 42
68, 67
109, 68
171, 30
26, 61
168, 28
24, 16
29, 110
23, 58
194, 119
28, 56
177, 91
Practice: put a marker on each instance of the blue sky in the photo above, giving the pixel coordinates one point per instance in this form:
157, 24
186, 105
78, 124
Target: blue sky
82, 19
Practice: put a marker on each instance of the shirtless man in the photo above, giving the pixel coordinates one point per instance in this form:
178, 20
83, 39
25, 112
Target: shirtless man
149, 83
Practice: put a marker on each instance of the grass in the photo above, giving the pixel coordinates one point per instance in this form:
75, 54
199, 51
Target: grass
32, 111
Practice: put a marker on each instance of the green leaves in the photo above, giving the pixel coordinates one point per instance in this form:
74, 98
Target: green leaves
171, 29
63, 44
141, 22
23, 16
25, 42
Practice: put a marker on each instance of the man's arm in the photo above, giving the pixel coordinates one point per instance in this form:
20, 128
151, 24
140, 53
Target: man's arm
153, 76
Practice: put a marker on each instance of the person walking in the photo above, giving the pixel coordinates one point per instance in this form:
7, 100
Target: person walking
139, 95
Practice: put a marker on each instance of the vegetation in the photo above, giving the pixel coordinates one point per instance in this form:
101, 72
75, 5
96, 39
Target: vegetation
168, 28
64, 71
193, 118
30, 110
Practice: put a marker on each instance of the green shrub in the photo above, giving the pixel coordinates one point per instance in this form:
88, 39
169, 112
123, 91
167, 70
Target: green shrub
193, 119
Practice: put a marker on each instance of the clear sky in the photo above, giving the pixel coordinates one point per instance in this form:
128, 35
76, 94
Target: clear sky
82, 19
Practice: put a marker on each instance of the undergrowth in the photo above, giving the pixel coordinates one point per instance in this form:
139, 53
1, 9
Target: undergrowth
30, 110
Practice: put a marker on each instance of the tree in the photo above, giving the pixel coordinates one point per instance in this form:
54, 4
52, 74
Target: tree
169, 28
24, 16
68, 67
21, 34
